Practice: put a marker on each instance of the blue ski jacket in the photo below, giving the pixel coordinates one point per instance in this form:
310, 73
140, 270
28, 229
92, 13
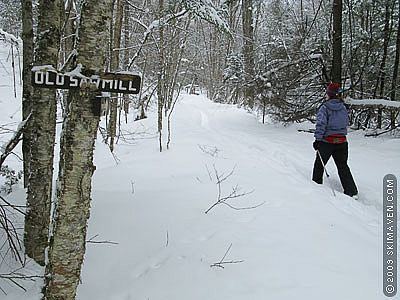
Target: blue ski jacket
332, 119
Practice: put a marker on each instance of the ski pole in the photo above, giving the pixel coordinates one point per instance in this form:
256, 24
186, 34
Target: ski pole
326, 172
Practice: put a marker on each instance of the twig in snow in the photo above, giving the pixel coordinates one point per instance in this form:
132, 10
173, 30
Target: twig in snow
209, 173
223, 262
92, 241
210, 150
235, 192
133, 186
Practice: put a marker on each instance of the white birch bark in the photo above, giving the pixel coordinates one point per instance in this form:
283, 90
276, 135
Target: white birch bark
67, 246
42, 136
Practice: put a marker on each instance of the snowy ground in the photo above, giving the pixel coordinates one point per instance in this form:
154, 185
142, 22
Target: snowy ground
302, 243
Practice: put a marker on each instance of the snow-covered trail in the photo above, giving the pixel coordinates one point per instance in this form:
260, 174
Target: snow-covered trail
302, 243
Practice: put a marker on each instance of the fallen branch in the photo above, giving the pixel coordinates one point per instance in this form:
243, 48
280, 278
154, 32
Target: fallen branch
222, 262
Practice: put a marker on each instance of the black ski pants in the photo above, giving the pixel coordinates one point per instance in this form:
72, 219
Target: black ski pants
340, 153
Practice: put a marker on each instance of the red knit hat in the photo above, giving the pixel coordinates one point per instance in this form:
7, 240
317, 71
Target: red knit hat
333, 89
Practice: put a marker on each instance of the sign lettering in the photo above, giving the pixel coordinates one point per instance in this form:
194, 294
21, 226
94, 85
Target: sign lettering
109, 82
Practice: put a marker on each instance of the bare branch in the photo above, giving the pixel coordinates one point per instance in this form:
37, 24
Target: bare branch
11, 235
92, 241
210, 150
235, 192
9, 147
222, 262
209, 174
15, 277
15, 207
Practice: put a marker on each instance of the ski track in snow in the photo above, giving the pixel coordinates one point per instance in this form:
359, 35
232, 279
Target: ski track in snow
281, 156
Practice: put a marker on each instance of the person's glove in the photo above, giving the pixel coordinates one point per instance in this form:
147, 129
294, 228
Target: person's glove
316, 145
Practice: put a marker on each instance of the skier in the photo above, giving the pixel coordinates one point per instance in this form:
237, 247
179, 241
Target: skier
330, 140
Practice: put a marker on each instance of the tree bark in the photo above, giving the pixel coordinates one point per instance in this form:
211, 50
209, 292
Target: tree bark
337, 42
42, 128
67, 246
27, 37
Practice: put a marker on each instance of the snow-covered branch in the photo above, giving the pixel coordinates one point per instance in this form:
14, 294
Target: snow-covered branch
150, 29
206, 10
9, 38
373, 103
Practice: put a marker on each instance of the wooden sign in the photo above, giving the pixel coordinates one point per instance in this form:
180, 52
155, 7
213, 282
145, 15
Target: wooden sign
108, 82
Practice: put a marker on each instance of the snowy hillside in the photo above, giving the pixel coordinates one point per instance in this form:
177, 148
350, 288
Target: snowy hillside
299, 242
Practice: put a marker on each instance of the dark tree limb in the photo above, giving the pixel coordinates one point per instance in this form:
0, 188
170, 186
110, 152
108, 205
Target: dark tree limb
9, 147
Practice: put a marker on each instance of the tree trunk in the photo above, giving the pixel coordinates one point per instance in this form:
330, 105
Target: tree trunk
126, 53
42, 127
67, 246
161, 71
380, 82
114, 66
27, 37
248, 51
337, 42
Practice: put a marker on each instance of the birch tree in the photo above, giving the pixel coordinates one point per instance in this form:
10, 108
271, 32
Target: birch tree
42, 139
67, 244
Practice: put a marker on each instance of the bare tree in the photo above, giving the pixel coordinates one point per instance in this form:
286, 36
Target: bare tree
337, 41
380, 81
114, 66
248, 51
160, 75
